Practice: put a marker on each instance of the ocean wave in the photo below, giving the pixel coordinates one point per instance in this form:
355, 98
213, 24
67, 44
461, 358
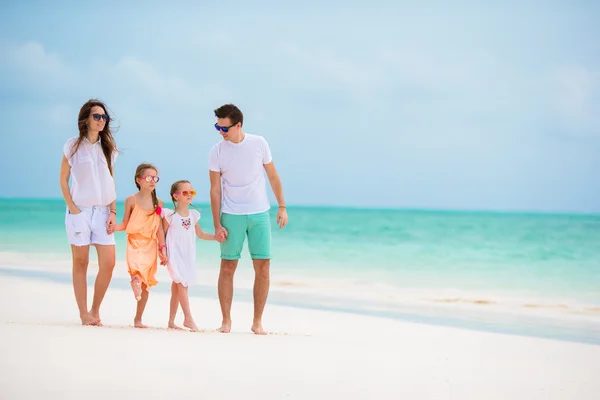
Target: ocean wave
390, 297
350, 290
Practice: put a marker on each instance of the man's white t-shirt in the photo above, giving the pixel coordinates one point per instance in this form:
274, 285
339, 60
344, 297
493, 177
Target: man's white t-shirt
242, 174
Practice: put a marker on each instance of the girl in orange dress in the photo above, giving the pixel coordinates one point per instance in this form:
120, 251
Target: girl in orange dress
145, 236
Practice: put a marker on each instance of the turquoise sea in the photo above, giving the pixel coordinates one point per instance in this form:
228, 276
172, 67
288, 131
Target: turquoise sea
521, 273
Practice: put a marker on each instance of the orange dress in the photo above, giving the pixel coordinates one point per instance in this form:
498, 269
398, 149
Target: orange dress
142, 244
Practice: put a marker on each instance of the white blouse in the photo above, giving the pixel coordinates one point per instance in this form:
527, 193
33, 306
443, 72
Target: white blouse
92, 183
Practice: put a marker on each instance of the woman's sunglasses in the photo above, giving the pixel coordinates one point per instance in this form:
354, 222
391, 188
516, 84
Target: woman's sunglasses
150, 178
225, 129
187, 193
98, 117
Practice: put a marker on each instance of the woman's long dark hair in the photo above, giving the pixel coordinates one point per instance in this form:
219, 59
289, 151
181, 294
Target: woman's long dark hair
106, 138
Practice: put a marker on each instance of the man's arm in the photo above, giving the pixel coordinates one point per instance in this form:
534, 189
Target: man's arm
277, 188
215, 204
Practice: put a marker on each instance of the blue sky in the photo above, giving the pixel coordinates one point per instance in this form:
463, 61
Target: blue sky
377, 104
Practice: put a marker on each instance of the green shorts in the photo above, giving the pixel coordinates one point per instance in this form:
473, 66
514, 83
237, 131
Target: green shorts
258, 229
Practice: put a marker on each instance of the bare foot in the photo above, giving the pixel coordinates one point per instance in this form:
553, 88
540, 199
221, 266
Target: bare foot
190, 324
138, 324
136, 285
258, 329
97, 316
87, 319
173, 326
225, 327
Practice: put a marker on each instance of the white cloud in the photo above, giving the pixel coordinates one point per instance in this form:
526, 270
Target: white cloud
129, 80
131, 77
327, 66
428, 79
32, 66
36, 60
576, 98
420, 68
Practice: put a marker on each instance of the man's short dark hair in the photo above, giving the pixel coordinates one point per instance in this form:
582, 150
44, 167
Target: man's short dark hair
230, 111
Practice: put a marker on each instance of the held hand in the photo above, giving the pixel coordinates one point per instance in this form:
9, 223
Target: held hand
162, 254
111, 223
282, 217
220, 234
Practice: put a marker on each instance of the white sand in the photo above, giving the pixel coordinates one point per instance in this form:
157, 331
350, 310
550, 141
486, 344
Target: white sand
314, 355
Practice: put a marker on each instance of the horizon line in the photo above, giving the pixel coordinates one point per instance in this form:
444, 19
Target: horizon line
379, 208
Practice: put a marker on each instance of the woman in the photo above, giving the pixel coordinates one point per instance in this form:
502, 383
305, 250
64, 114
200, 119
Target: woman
91, 203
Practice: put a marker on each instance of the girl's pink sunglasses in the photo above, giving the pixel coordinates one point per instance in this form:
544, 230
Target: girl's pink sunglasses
150, 178
187, 193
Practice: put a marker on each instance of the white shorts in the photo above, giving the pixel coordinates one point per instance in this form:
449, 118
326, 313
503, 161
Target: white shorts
89, 226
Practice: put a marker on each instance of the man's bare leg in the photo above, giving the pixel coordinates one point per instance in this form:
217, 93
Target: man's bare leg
141, 305
106, 265
261, 291
225, 289
174, 305
81, 258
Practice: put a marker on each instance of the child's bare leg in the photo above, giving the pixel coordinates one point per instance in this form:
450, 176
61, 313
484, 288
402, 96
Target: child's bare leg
80, 265
136, 286
184, 300
174, 306
141, 305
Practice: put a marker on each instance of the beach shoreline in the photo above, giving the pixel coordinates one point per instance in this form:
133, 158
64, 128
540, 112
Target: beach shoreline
309, 354
520, 316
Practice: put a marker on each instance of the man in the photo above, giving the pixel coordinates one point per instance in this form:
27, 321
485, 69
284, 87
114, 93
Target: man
240, 208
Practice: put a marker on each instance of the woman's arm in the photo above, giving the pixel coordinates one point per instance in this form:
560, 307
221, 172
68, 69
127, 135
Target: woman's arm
65, 173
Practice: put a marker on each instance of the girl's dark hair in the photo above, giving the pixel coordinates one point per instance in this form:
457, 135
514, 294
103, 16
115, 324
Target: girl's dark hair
138, 174
106, 138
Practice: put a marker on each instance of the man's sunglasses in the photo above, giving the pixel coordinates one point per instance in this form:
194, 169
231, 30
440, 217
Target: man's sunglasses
225, 129
97, 117
150, 178
187, 193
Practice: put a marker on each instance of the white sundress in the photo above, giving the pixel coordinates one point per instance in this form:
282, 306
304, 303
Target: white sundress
181, 246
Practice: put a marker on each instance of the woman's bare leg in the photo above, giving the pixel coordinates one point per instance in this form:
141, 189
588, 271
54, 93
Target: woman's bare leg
81, 258
106, 265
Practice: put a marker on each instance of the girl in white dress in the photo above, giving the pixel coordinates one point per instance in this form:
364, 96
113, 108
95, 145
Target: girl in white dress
182, 227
